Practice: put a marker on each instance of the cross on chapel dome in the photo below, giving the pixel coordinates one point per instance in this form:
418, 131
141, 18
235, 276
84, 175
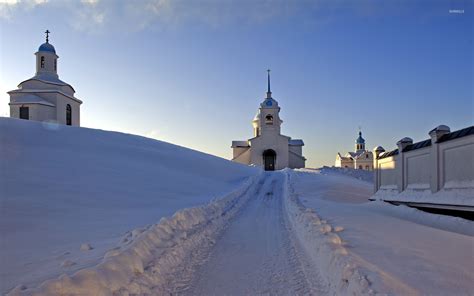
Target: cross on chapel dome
47, 46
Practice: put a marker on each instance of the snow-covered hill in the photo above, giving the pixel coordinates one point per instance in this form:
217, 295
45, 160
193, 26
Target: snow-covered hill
67, 194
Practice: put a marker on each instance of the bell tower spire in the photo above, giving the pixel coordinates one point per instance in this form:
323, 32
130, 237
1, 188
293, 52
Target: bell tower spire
269, 92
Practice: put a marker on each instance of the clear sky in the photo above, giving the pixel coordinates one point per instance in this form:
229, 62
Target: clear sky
194, 72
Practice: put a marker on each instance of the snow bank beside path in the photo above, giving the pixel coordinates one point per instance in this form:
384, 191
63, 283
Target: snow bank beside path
398, 250
325, 247
146, 265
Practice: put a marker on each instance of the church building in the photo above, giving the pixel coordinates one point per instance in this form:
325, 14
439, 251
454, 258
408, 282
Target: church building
269, 148
361, 158
44, 97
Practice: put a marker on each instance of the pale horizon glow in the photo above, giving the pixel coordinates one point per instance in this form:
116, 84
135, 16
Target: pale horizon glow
194, 75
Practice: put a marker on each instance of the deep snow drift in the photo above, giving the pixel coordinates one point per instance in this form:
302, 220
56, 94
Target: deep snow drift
67, 194
399, 250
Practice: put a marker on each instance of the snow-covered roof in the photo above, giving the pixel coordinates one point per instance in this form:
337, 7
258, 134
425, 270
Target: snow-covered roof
31, 99
356, 155
48, 78
32, 91
343, 157
353, 154
240, 144
295, 142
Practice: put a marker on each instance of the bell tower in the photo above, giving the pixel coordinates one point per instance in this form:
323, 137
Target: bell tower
46, 59
269, 113
359, 143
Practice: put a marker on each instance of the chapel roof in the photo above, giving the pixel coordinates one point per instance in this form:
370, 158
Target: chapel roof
31, 99
48, 78
295, 142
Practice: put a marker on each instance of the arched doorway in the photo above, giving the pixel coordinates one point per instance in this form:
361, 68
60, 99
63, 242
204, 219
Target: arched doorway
269, 160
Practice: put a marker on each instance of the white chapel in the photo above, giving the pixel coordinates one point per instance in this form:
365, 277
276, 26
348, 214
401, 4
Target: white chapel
360, 159
44, 97
269, 148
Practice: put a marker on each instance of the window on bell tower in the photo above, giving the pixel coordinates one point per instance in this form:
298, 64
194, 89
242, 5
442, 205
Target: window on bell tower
269, 119
42, 62
55, 65
68, 115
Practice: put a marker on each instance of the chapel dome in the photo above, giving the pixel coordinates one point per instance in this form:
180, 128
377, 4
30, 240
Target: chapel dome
48, 47
360, 140
269, 103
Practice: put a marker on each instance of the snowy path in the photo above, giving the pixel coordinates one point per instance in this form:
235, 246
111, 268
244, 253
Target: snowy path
285, 233
256, 254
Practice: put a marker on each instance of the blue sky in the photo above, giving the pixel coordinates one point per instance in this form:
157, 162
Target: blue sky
194, 72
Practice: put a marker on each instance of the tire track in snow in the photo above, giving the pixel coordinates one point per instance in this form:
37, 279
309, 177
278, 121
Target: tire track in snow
257, 254
180, 279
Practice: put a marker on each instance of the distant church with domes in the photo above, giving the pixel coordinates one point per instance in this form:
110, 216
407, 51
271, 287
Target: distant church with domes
44, 97
269, 148
361, 158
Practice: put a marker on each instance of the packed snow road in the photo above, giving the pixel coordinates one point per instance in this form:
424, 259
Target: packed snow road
257, 254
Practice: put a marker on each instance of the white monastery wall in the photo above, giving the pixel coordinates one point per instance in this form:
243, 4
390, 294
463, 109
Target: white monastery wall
436, 171
387, 173
456, 160
417, 169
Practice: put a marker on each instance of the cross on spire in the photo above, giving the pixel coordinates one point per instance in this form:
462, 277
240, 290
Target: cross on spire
47, 35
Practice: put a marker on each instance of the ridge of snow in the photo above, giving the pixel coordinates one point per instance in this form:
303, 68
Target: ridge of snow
324, 246
154, 254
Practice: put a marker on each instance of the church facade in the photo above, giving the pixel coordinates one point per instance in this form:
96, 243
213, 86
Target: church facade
269, 148
44, 97
361, 158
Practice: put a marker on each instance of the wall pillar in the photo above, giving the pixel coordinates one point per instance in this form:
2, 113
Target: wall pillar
436, 134
377, 151
400, 163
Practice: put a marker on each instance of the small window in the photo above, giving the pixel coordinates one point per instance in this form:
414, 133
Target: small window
42, 62
360, 167
367, 167
68, 115
345, 166
268, 119
55, 65
366, 156
24, 113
